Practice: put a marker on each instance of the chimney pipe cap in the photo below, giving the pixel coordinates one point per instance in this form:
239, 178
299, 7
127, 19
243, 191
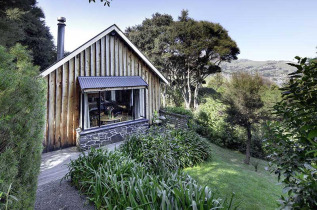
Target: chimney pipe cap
61, 19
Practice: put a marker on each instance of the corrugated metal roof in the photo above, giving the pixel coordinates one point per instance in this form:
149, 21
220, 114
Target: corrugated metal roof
110, 82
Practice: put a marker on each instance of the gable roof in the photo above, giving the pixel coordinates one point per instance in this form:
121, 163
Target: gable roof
115, 28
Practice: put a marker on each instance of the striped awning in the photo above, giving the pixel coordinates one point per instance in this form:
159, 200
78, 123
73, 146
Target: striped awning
111, 83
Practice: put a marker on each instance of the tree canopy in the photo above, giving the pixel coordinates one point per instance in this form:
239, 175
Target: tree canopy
186, 50
244, 103
22, 21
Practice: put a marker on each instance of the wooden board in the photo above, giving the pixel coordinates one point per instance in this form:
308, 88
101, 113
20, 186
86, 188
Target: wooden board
112, 55
64, 142
116, 56
58, 102
97, 59
76, 108
51, 111
93, 60
103, 57
107, 54
70, 108
82, 63
87, 62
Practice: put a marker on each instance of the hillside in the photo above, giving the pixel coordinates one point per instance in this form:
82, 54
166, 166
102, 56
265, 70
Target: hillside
277, 71
226, 173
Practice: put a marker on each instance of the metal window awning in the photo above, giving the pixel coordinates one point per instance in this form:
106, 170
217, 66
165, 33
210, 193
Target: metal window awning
89, 84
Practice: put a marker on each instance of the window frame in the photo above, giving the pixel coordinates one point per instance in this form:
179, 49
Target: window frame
87, 91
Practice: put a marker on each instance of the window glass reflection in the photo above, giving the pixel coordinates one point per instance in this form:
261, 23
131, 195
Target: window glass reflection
113, 107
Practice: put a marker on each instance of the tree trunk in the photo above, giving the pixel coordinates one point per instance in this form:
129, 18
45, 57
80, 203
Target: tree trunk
189, 92
196, 96
186, 101
247, 152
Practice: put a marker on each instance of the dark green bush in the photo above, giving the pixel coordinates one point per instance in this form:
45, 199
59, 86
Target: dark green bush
211, 120
22, 110
292, 140
112, 180
165, 149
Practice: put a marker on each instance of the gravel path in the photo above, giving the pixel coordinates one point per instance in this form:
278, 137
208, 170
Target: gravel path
60, 195
51, 193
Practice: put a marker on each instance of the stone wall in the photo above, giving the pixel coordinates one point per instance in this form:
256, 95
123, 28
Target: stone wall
110, 134
177, 120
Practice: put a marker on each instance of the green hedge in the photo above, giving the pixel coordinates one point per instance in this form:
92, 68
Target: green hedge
22, 110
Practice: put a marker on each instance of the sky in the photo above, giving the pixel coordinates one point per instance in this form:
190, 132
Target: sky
263, 29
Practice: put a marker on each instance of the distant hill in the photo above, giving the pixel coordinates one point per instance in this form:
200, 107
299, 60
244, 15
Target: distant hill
276, 71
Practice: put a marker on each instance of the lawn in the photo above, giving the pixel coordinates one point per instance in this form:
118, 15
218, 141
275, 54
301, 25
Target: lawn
227, 173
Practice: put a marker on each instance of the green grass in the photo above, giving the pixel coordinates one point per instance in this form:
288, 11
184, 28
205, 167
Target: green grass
227, 173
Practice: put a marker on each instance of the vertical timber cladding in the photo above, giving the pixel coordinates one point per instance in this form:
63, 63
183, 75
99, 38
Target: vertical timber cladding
109, 56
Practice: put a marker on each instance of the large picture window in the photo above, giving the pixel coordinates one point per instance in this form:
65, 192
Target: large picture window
102, 108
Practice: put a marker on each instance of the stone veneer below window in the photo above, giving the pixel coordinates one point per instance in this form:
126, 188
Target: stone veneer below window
102, 136
179, 121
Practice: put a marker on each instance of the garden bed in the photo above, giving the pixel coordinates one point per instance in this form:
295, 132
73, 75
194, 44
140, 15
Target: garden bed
146, 173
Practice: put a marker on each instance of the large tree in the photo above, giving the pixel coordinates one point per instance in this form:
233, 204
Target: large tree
22, 21
201, 46
151, 38
244, 103
186, 51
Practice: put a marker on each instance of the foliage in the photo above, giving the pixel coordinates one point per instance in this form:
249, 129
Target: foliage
22, 110
195, 50
149, 37
244, 104
23, 22
186, 51
179, 110
217, 82
106, 2
292, 141
212, 120
168, 150
6, 198
226, 173
112, 180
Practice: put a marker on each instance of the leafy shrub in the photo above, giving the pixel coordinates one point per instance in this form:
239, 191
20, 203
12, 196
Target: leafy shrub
292, 141
22, 110
179, 110
169, 150
211, 120
114, 181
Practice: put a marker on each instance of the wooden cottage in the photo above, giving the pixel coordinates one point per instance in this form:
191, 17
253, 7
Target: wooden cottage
100, 92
